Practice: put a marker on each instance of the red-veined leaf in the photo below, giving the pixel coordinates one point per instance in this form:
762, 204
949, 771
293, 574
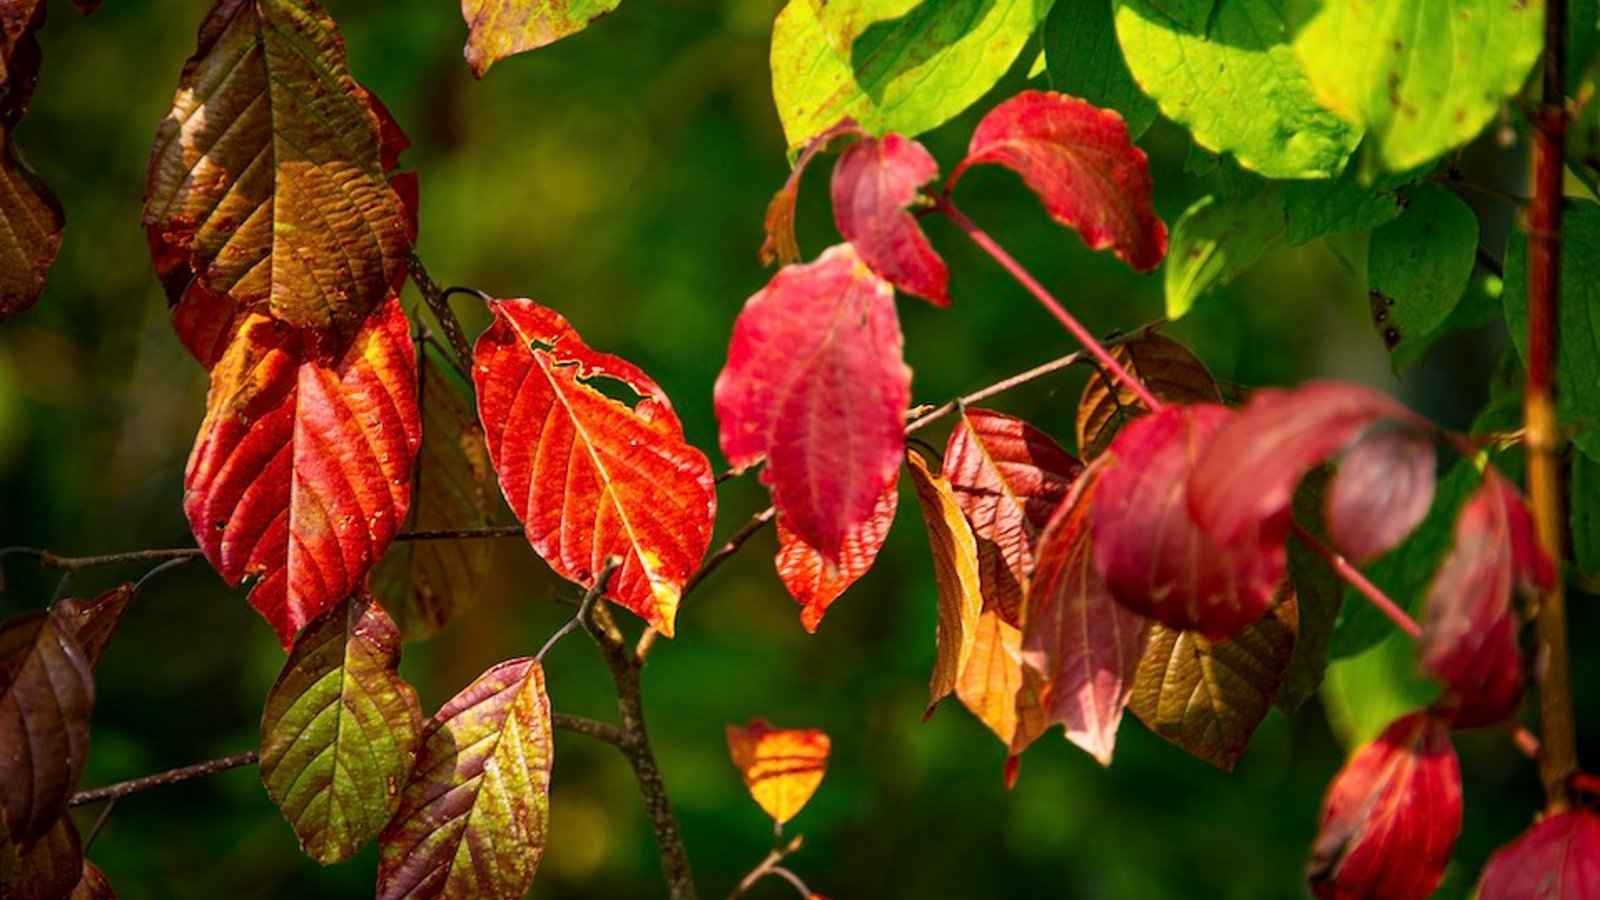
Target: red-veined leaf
46, 694
591, 476
955, 572
474, 816
301, 474
1004, 694
1156, 560
503, 28
781, 246
1469, 633
425, 584
1381, 492
93, 885
1557, 859
92, 623
781, 766
267, 180
1165, 367
1009, 477
1391, 817
816, 384
339, 732
1082, 642
811, 581
31, 219
1079, 160
49, 870
1208, 697
874, 183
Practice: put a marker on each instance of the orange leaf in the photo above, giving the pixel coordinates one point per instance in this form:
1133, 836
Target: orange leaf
591, 476
998, 689
781, 767
955, 571
301, 474
809, 578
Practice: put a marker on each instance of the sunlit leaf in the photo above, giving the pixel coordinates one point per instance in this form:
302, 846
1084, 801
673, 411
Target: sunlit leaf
1080, 48
93, 622
1216, 241
998, 689
502, 28
340, 730
955, 572
908, 75
781, 766
590, 475
268, 179
426, 584
1009, 478
874, 183
1418, 267
1225, 70
1557, 859
31, 219
845, 20
301, 474
1421, 77
1084, 645
46, 694
1079, 160
50, 869
816, 384
1382, 490
1208, 696
1391, 817
1167, 370
811, 581
474, 816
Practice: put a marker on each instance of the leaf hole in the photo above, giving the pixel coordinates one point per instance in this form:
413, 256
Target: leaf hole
614, 389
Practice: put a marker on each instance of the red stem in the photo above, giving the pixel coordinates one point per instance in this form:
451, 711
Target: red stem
1353, 577
1066, 319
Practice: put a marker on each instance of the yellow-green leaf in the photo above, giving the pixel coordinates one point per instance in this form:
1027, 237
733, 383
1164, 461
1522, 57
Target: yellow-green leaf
502, 28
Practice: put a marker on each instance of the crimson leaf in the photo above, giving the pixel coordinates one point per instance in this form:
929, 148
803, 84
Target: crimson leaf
873, 184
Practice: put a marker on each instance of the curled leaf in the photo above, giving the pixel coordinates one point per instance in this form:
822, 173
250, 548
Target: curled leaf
955, 572
811, 581
874, 184
46, 695
1557, 859
781, 767
51, 869
781, 246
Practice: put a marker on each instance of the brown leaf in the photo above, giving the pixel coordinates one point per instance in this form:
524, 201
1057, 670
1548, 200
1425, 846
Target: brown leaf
502, 28
1165, 367
50, 869
93, 623
46, 694
30, 216
955, 571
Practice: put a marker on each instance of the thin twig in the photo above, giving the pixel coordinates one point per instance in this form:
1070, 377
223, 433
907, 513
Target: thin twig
769, 865
439, 305
611, 734
171, 776
99, 824
613, 563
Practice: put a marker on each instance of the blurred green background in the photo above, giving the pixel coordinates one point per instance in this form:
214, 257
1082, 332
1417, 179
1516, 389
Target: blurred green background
621, 177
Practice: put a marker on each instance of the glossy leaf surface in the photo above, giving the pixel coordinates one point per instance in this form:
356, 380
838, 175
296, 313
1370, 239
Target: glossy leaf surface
874, 183
955, 572
811, 581
589, 475
46, 695
782, 767
502, 28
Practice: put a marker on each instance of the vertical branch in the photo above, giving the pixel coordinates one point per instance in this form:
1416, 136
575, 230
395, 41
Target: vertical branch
434, 296
1558, 757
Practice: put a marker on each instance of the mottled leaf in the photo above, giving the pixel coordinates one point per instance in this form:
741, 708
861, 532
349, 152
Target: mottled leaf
1079, 160
339, 731
1229, 75
1418, 267
1215, 241
781, 766
816, 384
592, 476
1557, 859
1208, 697
1083, 644
502, 28
268, 179
93, 622
426, 584
874, 183
474, 816
1381, 492
1008, 478
955, 572
1421, 77
1165, 367
46, 694
51, 868
811, 581
1391, 817
1084, 60
1003, 693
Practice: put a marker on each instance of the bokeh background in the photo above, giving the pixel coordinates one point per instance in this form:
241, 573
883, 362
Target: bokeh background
621, 177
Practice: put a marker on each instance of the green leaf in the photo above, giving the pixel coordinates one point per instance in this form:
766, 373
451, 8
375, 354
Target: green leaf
1585, 514
1080, 47
1421, 76
1364, 693
1235, 83
1578, 399
907, 75
1405, 572
1216, 241
1418, 267
502, 28
474, 816
844, 20
340, 730
1341, 205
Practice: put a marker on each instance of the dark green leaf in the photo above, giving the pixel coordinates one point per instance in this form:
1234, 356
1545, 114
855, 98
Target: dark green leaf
1418, 267
1080, 47
1340, 205
1584, 498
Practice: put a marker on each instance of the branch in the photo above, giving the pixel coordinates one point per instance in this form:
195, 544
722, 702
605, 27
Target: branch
613, 563
770, 866
1352, 576
433, 295
171, 776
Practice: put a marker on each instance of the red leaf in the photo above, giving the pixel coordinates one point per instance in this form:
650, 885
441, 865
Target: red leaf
206, 323
811, 581
1469, 635
817, 385
1381, 492
1085, 645
1156, 559
1391, 817
591, 476
93, 885
301, 474
1008, 478
873, 184
46, 694
93, 623
1557, 859
1079, 160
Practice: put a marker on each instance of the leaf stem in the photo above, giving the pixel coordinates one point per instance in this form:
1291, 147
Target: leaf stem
1023, 277
1353, 577
769, 865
